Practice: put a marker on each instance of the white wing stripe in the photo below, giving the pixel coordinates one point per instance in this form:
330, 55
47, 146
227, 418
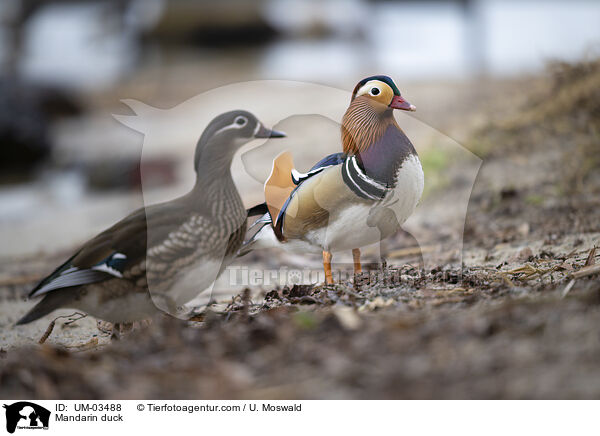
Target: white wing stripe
107, 269
298, 177
79, 277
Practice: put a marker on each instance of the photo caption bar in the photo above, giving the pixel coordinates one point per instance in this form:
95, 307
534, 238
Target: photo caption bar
264, 417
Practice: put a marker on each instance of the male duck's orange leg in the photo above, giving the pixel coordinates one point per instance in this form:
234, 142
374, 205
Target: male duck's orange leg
356, 257
327, 267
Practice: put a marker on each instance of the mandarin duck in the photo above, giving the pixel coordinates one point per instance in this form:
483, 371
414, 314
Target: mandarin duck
350, 199
118, 275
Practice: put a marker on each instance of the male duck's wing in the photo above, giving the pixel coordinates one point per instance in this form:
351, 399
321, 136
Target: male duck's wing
283, 181
280, 188
258, 210
327, 162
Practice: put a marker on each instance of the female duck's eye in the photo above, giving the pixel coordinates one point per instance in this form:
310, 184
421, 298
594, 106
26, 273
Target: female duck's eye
374, 91
240, 121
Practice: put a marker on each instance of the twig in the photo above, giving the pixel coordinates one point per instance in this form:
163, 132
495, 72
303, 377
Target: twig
571, 254
529, 271
591, 257
506, 279
586, 271
79, 316
567, 289
92, 343
48, 331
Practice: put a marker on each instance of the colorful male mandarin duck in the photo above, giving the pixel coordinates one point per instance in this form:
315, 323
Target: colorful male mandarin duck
115, 275
351, 199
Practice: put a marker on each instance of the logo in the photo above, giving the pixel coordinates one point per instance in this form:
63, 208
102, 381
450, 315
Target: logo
26, 415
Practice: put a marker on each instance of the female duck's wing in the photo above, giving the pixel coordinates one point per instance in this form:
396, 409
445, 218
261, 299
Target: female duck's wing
116, 251
105, 256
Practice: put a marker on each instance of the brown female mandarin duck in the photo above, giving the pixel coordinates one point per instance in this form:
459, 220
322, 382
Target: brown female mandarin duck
142, 262
351, 199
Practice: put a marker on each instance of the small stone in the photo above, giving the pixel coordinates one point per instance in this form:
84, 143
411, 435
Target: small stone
347, 317
523, 229
525, 254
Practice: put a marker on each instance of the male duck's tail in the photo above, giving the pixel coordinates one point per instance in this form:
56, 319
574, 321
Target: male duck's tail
264, 237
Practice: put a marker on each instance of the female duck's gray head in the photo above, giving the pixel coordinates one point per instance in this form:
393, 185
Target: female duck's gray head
225, 134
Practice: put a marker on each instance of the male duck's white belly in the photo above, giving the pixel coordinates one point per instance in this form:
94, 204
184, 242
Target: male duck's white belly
366, 223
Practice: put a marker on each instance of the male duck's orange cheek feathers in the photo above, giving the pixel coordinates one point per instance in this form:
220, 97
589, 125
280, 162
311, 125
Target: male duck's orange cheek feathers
362, 125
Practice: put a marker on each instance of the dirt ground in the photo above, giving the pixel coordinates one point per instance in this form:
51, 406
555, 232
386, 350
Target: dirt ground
518, 319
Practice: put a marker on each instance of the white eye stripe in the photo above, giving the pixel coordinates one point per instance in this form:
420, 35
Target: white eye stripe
223, 129
368, 87
233, 125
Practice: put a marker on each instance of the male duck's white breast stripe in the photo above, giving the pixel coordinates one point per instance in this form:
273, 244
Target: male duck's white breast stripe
360, 183
353, 185
365, 178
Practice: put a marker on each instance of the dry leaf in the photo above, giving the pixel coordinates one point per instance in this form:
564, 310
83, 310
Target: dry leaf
591, 257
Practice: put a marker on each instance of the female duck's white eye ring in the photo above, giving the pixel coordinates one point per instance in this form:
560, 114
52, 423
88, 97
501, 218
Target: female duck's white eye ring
374, 91
241, 121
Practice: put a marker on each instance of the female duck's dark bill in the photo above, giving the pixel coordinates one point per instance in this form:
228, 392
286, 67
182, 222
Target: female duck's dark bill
399, 103
263, 132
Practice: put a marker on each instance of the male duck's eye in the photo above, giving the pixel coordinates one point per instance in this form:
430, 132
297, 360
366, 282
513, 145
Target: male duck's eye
374, 91
240, 121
